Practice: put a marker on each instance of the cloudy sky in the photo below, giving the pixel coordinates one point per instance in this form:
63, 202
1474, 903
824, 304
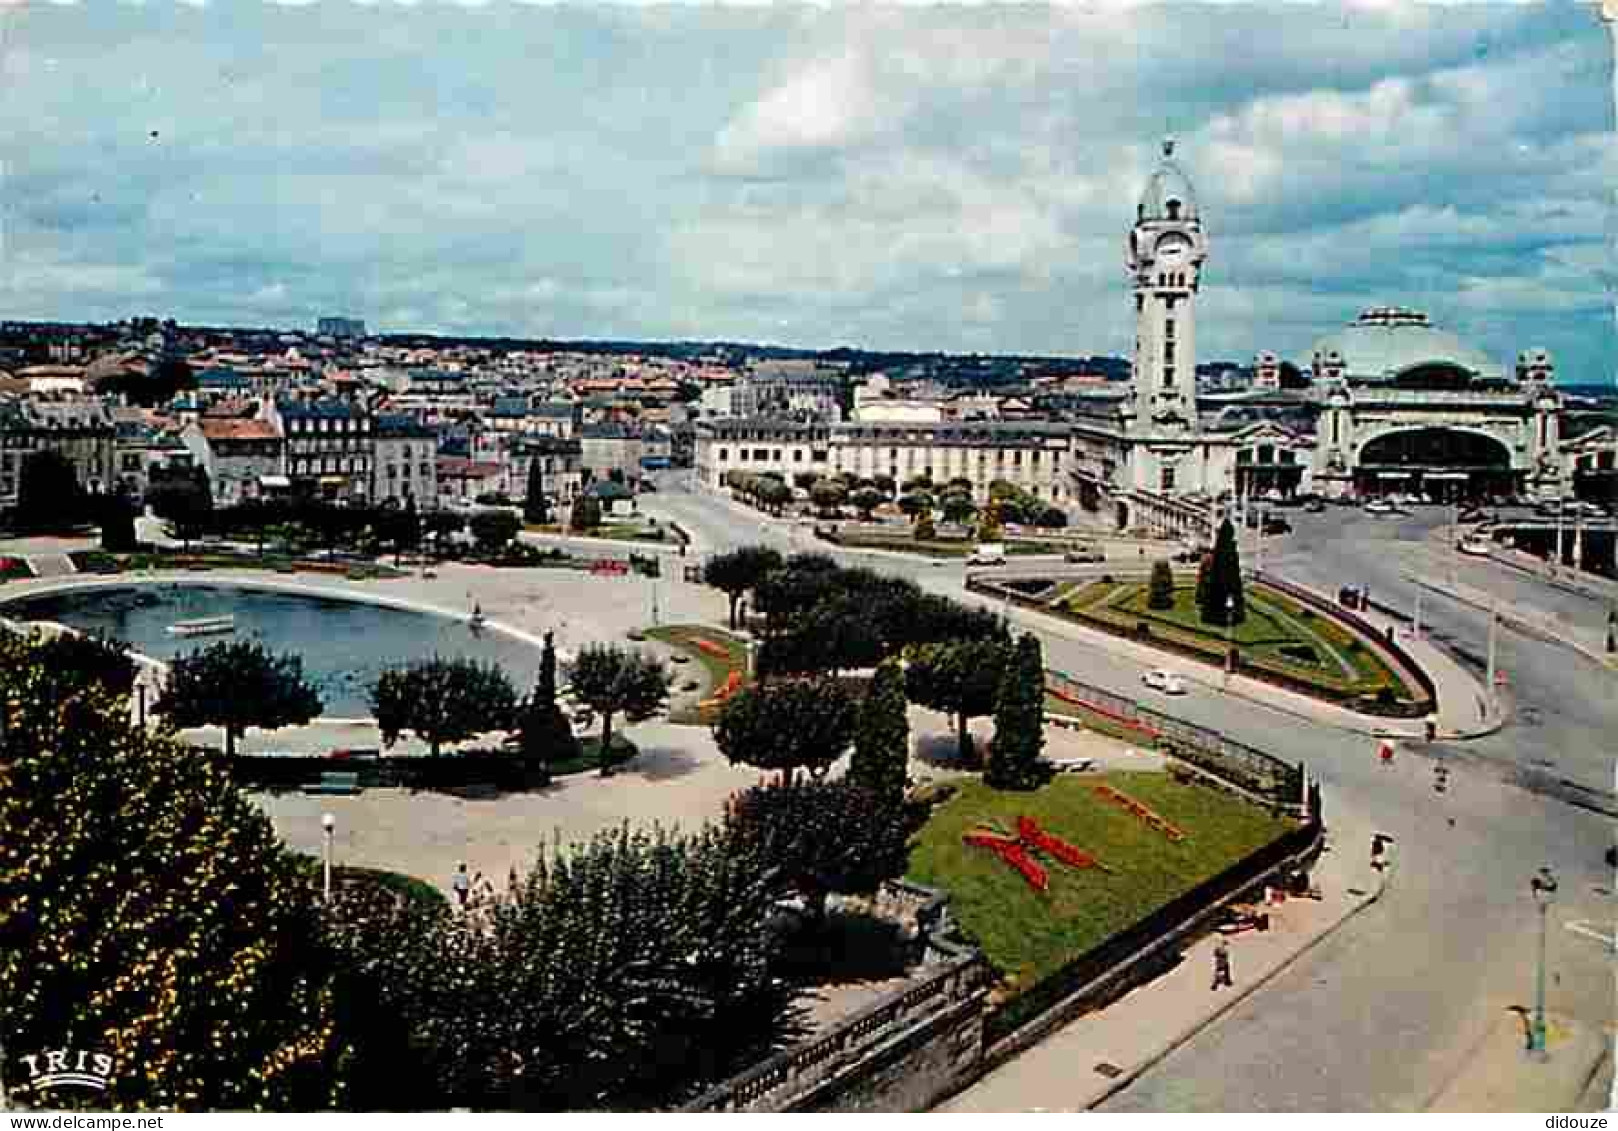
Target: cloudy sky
900, 177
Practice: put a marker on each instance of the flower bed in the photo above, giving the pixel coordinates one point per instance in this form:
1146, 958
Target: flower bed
1146, 816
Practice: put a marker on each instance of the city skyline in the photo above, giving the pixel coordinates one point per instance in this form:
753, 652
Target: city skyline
899, 179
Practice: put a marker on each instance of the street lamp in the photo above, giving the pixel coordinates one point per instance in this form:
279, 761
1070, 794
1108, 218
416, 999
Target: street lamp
1230, 632
328, 825
1543, 885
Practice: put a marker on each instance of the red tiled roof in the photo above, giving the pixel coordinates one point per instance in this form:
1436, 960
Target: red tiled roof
459, 467
216, 428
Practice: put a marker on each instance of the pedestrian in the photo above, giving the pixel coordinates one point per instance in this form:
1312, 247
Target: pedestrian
1222, 965
461, 885
1384, 751
1432, 730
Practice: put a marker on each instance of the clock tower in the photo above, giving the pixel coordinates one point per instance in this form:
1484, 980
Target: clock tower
1165, 254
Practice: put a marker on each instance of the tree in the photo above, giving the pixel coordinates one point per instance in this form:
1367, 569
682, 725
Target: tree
804, 480
441, 525
443, 700
117, 522
866, 500
885, 484
827, 496
924, 530
960, 678
1204, 569
586, 513
74, 661
1051, 518
494, 530
836, 634
915, 503
1019, 719
881, 761
1223, 602
536, 508
150, 913
236, 684
625, 972
1160, 594
959, 508
918, 483
787, 725
739, 570
185, 501
406, 531
48, 493
544, 735
819, 837
613, 680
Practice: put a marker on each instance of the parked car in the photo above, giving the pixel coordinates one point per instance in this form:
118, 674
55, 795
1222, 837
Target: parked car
1084, 555
1161, 679
1379, 506
988, 554
1477, 547
1314, 506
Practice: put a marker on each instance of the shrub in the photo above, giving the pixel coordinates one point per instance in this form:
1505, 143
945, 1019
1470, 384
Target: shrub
1160, 594
1354, 646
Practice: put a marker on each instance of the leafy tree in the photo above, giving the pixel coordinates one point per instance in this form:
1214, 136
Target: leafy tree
881, 761
866, 500
623, 972
959, 508
1019, 719
959, 678
494, 529
586, 513
236, 684
74, 661
536, 508
924, 530
803, 480
836, 634
544, 735
773, 495
185, 501
443, 700
405, 533
819, 837
960, 483
1160, 593
990, 520
915, 503
440, 525
150, 913
48, 493
614, 680
787, 725
117, 522
1051, 518
932, 618
739, 570
827, 496
167, 379
918, 483
1204, 569
1223, 602
884, 484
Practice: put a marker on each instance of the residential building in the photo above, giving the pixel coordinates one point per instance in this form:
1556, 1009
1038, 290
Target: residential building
328, 446
80, 430
404, 462
242, 456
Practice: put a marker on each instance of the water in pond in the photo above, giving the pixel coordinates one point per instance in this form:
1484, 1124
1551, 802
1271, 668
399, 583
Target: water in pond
344, 644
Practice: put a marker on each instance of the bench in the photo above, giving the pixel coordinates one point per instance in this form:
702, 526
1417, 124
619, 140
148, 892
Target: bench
335, 783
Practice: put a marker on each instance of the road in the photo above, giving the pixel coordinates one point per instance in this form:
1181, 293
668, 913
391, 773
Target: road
1384, 1014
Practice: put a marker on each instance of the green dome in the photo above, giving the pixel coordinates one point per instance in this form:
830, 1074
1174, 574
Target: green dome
1386, 342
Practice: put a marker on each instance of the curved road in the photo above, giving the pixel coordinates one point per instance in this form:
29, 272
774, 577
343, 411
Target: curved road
1385, 1013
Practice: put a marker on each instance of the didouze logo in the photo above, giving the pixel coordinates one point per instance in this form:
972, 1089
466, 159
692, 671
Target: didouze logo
68, 1068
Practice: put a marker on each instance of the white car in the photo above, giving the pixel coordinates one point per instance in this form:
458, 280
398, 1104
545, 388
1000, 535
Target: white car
1477, 547
1161, 679
1378, 506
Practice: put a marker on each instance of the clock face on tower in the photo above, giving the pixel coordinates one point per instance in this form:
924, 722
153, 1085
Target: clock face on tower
1172, 248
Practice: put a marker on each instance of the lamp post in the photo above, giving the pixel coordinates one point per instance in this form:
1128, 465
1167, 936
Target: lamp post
1230, 632
328, 825
1494, 648
1543, 885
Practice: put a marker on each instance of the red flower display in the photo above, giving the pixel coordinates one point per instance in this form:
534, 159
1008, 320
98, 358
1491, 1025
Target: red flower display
1014, 851
1124, 801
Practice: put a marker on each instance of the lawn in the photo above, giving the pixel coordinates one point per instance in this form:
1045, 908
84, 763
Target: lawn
1028, 935
731, 656
1278, 633
615, 531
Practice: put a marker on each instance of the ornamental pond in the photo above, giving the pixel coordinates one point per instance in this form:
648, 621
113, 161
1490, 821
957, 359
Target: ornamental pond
345, 644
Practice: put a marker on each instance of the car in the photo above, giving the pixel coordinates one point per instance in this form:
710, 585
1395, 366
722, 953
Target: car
1314, 506
1379, 506
1161, 679
1472, 514
1477, 547
1084, 555
1276, 525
